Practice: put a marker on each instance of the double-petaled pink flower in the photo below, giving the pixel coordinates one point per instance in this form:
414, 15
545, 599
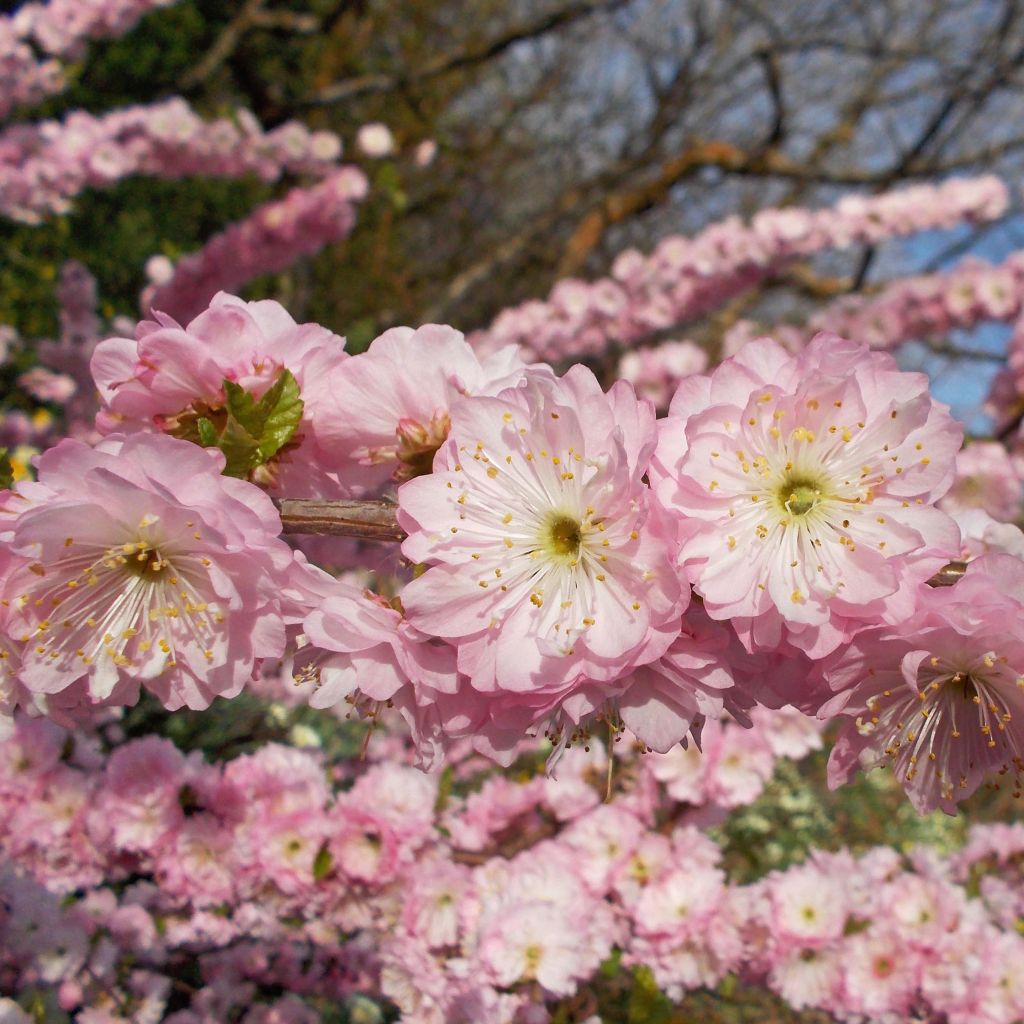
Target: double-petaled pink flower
938, 697
548, 564
807, 487
139, 563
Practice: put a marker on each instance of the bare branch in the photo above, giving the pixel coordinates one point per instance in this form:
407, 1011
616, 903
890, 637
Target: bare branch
361, 520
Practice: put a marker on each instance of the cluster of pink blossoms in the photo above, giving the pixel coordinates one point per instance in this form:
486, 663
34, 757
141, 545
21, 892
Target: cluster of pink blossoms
44, 165
554, 534
145, 884
556, 531
685, 277
270, 239
908, 308
59, 28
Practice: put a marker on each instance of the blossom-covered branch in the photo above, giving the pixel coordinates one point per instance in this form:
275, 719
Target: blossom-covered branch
270, 239
43, 166
685, 277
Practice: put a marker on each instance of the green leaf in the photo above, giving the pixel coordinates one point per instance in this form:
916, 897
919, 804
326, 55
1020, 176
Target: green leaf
6, 470
207, 432
281, 408
610, 966
322, 864
254, 431
240, 448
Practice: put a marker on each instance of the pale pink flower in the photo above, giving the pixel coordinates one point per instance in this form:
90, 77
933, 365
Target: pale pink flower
275, 781
198, 865
807, 977
286, 848
436, 888
691, 681
602, 841
363, 650
809, 907
142, 564
375, 139
168, 376
363, 845
655, 372
788, 732
389, 408
986, 478
739, 764
548, 563
940, 696
578, 784
138, 806
680, 903
880, 973
535, 942
980, 534
807, 485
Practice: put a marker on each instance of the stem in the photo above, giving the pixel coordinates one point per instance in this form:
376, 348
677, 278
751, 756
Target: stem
362, 520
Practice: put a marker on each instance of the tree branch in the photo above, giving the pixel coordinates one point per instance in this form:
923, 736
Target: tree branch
361, 520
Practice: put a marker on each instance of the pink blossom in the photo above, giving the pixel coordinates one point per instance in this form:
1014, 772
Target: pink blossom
986, 478
142, 564
169, 376
389, 409
139, 805
47, 386
548, 562
807, 977
981, 534
809, 907
693, 680
655, 372
880, 975
363, 649
808, 485
938, 696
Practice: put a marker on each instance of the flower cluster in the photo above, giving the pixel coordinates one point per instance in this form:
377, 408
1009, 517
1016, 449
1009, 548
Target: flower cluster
43, 166
271, 238
556, 530
685, 277
59, 28
924, 306
356, 890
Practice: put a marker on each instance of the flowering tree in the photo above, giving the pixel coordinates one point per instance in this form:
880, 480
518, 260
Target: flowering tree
511, 638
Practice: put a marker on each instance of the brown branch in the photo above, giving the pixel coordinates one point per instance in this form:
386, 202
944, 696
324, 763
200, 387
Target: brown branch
699, 155
361, 520
377, 83
252, 15
376, 520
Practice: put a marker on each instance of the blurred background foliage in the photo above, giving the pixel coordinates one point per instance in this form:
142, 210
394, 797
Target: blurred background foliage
567, 130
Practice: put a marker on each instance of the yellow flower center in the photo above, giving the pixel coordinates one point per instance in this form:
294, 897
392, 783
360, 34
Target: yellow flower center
561, 536
797, 495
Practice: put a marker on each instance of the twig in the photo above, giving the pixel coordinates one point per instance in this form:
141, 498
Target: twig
361, 520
